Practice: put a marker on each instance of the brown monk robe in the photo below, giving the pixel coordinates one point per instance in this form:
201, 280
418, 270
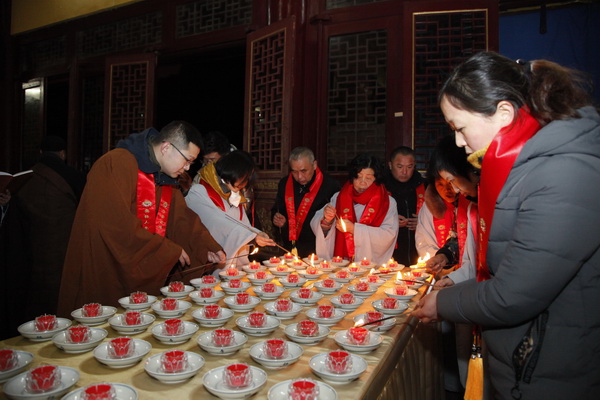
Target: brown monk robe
110, 253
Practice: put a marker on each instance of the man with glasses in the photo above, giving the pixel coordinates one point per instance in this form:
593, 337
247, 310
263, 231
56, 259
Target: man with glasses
133, 230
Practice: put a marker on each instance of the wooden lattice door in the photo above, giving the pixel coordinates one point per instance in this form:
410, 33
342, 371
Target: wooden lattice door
129, 97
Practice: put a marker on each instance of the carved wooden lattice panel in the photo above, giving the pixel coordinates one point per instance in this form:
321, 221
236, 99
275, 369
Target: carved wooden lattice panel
43, 54
139, 31
212, 15
265, 113
441, 42
356, 106
130, 92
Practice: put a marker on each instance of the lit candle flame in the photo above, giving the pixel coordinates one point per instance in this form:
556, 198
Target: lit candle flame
343, 224
254, 251
372, 271
399, 276
359, 322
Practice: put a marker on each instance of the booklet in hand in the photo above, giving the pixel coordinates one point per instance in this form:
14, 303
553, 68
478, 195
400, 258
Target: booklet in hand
14, 182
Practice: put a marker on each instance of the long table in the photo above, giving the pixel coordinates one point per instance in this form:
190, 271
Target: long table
406, 366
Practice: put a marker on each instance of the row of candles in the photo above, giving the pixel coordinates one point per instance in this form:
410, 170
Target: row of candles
175, 361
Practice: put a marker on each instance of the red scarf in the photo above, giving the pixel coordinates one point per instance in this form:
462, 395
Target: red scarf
495, 168
420, 197
216, 197
443, 225
153, 220
295, 222
377, 203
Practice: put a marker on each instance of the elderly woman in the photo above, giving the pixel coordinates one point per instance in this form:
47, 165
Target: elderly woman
218, 201
532, 129
364, 215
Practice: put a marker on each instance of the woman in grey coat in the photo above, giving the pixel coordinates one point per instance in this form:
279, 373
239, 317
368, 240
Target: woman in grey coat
531, 128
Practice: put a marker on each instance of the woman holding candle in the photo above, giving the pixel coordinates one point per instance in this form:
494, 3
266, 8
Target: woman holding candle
364, 215
531, 128
218, 200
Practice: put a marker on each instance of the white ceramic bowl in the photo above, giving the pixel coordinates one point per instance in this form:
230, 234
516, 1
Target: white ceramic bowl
205, 342
294, 352
189, 328
328, 290
317, 365
316, 296
224, 277
24, 358
271, 323
270, 308
197, 283
287, 271
360, 272
196, 298
15, 387
315, 261
255, 281
182, 307
141, 348
377, 284
117, 324
362, 293
213, 382
401, 297
423, 276
375, 340
296, 265
269, 264
28, 330
153, 368
122, 391
335, 300
279, 391
308, 276
246, 268
342, 280
291, 332
107, 312
285, 283
226, 314
124, 302
269, 295
330, 268
340, 264
177, 295
60, 341
378, 305
231, 290
253, 301
338, 315
383, 326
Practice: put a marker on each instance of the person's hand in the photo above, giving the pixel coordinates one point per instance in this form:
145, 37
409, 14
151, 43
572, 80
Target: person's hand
185, 181
426, 310
402, 221
329, 213
411, 223
4, 198
442, 283
184, 259
262, 239
349, 226
279, 220
218, 258
436, 263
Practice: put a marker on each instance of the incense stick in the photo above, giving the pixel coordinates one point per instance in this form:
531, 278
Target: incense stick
415, 281
186, 271
374, 322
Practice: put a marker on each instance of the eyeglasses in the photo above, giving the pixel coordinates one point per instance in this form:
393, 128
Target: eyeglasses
188, 162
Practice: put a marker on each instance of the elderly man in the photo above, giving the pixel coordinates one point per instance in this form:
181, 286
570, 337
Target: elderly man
408, 189
299, 195
132, 226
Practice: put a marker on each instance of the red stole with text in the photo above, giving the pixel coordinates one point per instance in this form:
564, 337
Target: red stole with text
495, 168
377, 203
296, 220
216, 197
153, 220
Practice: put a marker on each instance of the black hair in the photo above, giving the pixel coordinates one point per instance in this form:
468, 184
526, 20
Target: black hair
235, 166
363, 161
180, 133
448, 157
215, 141
403, 150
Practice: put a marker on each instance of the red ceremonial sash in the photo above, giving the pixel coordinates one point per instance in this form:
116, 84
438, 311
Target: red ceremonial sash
462, 224
216, 197
377, 203
295, 221
152, 220
420, 197
442, 226
495, 168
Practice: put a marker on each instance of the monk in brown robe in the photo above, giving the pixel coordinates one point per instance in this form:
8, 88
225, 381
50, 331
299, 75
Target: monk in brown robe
132, 225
